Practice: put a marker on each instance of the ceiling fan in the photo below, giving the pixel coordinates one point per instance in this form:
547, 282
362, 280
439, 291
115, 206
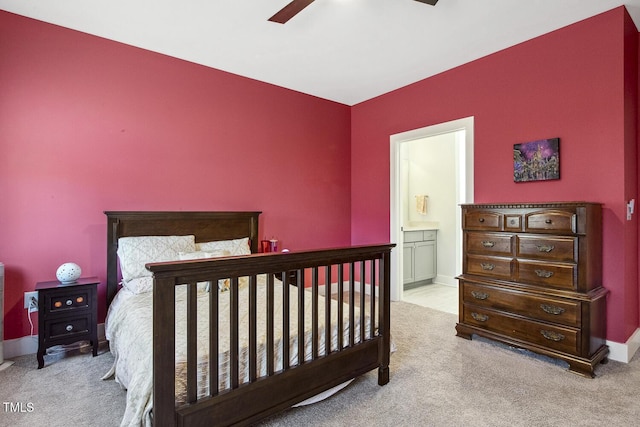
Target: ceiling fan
296, 6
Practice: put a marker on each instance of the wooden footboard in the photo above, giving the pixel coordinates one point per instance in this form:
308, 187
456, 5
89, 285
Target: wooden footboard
359, 349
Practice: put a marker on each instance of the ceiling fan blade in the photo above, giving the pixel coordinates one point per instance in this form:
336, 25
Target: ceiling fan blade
290, 10
431, 2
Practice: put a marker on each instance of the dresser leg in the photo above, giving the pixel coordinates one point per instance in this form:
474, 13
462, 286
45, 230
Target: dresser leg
462, 332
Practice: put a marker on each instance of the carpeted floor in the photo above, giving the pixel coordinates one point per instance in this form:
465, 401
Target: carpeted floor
437, 379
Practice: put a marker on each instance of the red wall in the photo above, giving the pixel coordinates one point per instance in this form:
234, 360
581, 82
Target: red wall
88, 125
568, 84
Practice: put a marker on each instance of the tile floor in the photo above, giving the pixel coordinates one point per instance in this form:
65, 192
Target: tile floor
435, 296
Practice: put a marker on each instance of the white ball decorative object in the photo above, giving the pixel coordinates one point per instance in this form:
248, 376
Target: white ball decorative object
68, 272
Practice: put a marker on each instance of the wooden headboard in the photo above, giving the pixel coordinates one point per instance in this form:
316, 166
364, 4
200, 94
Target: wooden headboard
205, 226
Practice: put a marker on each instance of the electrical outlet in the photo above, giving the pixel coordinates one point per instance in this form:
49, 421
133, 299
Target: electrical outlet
29, 302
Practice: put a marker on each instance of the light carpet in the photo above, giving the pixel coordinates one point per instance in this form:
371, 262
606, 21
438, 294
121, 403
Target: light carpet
437, 379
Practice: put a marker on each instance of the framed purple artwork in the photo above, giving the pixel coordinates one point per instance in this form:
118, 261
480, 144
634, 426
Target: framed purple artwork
536, 160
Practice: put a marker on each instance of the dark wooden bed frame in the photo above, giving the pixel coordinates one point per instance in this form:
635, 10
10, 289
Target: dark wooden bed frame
246, 403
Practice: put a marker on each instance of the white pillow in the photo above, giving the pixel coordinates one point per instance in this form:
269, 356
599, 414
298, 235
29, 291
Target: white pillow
184, 256
135, 252
233, 247
223, 284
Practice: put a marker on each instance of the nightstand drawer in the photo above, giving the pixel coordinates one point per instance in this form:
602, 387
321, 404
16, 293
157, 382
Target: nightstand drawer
64, 301
67, 327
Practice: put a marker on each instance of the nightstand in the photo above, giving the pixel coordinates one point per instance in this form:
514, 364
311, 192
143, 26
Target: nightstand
67, 313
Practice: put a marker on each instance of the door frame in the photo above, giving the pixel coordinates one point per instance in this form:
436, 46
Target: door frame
464, 190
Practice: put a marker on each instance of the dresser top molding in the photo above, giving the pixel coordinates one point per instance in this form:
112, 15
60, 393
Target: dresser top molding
528, 205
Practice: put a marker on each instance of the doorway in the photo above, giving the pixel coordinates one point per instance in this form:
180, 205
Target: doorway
403, 201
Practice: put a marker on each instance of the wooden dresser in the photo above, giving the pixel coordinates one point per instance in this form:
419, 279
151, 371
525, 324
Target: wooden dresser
532, 278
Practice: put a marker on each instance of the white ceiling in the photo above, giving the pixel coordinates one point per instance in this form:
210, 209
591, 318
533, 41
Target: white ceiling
342, 50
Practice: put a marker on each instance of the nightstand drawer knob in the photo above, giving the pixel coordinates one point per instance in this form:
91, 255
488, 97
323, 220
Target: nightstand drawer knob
69, 328
80, 300
57, 304
69, 302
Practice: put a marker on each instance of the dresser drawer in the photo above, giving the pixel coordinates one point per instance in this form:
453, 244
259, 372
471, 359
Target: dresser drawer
556, 337
66, 327
551, 221
499, 268
560, 276
548, 248
488, 244
555, 310
483, 220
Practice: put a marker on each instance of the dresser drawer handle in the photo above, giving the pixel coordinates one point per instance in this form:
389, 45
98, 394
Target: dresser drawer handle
552, 336
481, 219
480, 317
69, 302
69, 328
488, 243
544, 273
487, 266
479, 295
552, 309
545, 248
548, 221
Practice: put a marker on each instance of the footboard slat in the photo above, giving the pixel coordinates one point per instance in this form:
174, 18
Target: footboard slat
214, 344
352, 301
233, 333
253, 328
362, 298
340, 307
315, 314
327, 312
301, 328
270, 326
192, 342
286, 333
374, 286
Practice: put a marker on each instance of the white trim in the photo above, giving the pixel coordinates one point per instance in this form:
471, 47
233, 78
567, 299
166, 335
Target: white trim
446, 280
464, 149
624, 352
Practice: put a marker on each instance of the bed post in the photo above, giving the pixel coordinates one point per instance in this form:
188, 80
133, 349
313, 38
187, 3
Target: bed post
164, 350
112, 259
385, 316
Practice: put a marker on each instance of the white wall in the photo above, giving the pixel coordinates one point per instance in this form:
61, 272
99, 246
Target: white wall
429, 169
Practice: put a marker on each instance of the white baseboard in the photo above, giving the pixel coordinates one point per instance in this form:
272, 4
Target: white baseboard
29, 344
446, 280
624, 352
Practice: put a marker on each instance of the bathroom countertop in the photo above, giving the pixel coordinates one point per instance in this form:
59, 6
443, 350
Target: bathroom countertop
421, 226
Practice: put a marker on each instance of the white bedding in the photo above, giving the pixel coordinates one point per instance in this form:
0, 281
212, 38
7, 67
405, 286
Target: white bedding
128, 328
